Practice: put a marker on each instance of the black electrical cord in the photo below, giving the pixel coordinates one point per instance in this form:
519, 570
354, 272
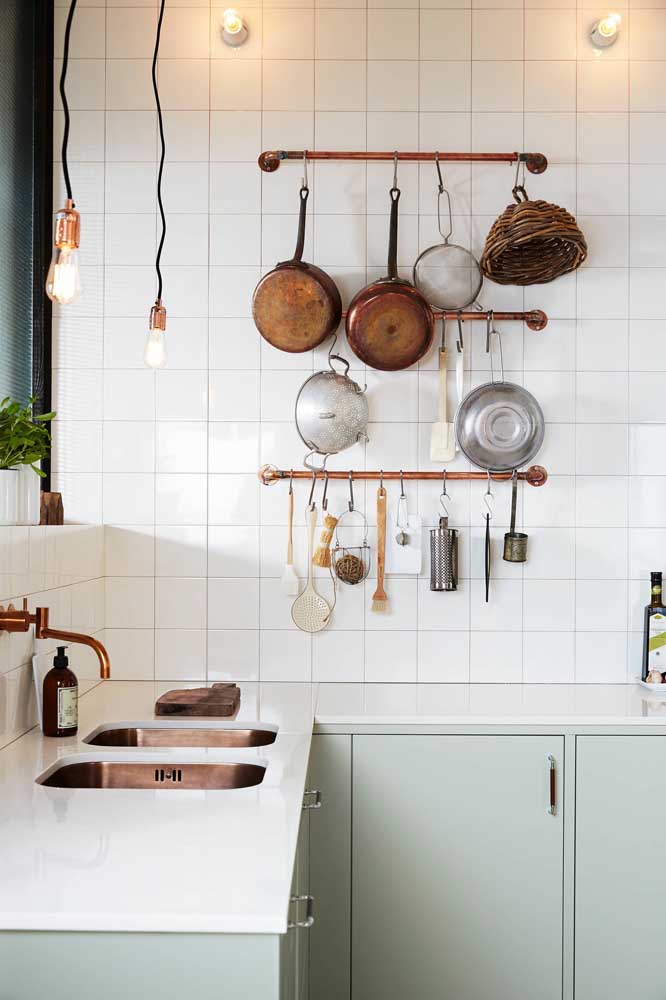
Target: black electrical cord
63, 95
161, 167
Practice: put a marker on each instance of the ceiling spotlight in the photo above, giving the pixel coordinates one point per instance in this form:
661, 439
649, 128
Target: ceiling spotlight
234, 31
605, 31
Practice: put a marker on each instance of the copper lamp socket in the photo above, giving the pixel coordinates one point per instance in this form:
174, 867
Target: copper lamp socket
158, 316
67, 227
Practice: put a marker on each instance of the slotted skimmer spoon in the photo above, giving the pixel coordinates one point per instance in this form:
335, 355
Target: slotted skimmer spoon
310, 612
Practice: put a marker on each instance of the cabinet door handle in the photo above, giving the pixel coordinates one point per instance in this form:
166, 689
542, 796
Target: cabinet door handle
316, 800
552, 784
309, 912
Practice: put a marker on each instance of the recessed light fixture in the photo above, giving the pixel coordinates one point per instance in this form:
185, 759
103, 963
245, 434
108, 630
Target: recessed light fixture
234, 31
605, 31
155, 352
63, 282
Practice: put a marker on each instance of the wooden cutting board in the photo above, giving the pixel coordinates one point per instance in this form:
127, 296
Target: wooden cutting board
218, 700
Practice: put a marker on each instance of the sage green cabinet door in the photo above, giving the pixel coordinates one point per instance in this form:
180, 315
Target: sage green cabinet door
330, 867
620, 868
457, 869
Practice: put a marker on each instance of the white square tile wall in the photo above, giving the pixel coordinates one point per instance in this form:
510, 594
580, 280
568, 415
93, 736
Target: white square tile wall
168, 460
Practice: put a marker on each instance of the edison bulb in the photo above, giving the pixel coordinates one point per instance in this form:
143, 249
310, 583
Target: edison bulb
605, 32
63, 283
234, 31
155, 352
608, 25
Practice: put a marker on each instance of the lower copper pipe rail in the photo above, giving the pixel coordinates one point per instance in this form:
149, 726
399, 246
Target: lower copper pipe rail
271, 159
536, 475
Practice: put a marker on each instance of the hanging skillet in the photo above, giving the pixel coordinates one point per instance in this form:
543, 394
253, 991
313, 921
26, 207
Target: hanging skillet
390, 325
296, 306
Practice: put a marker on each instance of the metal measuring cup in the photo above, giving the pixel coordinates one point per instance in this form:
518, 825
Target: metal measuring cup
515, 542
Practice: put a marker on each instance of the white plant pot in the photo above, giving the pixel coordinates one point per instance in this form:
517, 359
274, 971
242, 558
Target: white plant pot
29, 496
8, 495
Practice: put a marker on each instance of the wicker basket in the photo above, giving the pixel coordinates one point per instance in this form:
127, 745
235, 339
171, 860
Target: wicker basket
532, 242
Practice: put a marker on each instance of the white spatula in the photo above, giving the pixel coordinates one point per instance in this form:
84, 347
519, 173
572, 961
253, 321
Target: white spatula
442, 437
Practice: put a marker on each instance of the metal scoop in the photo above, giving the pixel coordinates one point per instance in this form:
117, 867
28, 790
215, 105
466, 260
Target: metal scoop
515, 542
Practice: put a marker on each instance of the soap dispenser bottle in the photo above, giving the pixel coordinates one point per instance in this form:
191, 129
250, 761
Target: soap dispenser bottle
60, 698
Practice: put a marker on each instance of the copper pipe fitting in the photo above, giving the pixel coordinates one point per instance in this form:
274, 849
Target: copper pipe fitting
13, 620
67, 233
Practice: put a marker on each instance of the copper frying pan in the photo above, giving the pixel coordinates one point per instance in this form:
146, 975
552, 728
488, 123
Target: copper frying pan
390, 325
296, 306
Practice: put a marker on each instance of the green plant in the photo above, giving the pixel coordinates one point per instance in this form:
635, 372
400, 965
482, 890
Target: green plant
24, 438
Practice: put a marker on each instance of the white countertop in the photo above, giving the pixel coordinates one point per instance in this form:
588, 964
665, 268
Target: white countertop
114, 860
221, 861
618, 705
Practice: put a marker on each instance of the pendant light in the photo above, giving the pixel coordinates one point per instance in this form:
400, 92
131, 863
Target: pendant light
63, 283
155, 354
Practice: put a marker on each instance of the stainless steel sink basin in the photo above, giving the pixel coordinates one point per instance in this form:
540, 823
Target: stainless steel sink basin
149, 774
180, 735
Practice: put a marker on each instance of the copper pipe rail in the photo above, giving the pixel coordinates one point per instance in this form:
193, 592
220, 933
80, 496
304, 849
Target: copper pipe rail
271, 159
536, 475
536, 319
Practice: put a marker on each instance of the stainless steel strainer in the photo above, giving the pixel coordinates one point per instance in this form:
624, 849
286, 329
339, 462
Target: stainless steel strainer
446, 274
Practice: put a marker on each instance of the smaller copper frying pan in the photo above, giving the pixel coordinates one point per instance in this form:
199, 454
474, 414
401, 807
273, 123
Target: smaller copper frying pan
390, 325
296, 306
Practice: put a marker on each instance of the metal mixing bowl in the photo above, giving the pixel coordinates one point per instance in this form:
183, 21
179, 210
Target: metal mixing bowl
499, 426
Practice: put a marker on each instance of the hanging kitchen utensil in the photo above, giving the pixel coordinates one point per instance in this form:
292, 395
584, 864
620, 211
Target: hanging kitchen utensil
443, 550
487, 500
442, 435
460, 371
446, 274
403, 553
389, 323
296, 306
499, 425
515, 542
331, 411
380, 601
289, 582
310, 612
532, 242
351, 563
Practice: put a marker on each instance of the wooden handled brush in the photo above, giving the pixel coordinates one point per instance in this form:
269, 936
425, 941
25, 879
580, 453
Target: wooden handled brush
380, 597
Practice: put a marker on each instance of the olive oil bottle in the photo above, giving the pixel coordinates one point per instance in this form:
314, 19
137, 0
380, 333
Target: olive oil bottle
654, 634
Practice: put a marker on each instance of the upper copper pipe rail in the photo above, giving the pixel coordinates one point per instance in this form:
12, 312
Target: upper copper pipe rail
536, 475
536, 319
270, 159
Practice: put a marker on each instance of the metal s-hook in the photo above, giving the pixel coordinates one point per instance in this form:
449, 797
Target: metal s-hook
488, 498
381, 479
444, 496
402, 485
291, 483
395, 170
489, 328
304, 178
311, 503
441, 190
351, 491
324, 500
459, 342
518, 190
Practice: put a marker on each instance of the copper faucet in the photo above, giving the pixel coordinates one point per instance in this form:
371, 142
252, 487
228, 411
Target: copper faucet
15, 620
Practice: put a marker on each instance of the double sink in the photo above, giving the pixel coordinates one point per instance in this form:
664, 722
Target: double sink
124, 772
